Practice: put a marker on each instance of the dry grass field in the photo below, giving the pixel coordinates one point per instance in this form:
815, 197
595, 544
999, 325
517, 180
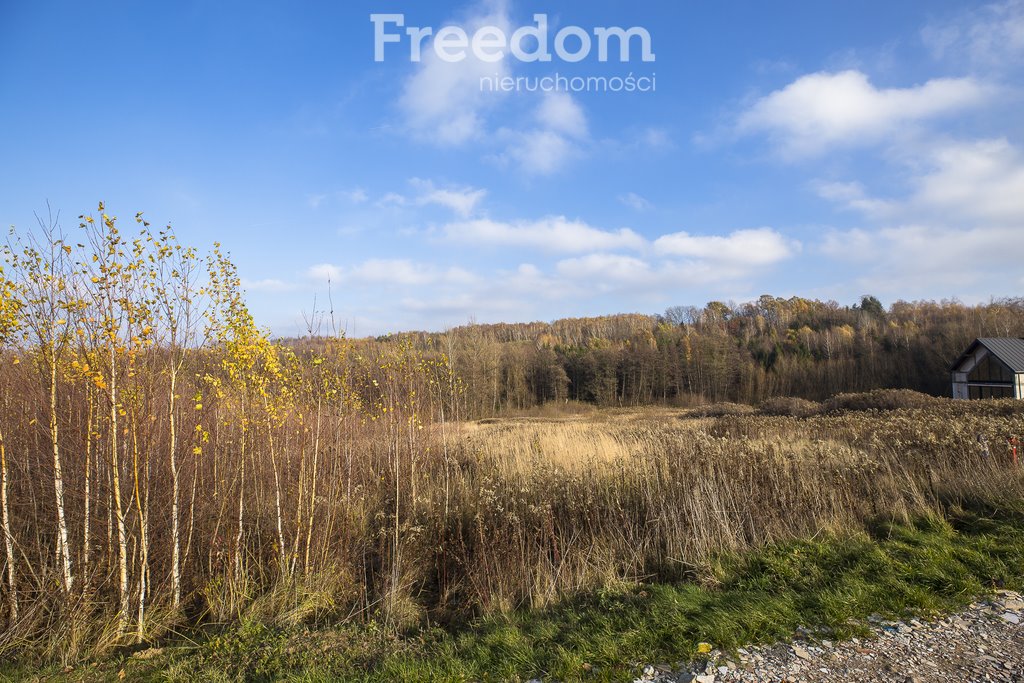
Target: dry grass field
543, 542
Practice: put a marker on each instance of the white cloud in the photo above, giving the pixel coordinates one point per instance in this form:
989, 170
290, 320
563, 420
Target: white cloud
916, 259
538, 152
852, 196
445, 103
392, 199
405, 272
963, 183
610, 273
461, 200
822, 110
529, 280
553, 233
752, 247
442, 101
556, 140
655, 138
599, 267
322, 272
990, 36
400, 272
635, 201
559, 112
959, 227
356, 195
977, 181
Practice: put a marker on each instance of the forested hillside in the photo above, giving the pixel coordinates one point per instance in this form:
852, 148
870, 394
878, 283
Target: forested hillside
744, 353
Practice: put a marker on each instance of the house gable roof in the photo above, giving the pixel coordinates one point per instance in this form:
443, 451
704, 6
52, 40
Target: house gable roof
1009, 350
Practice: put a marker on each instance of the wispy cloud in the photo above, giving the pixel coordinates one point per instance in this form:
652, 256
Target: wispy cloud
321, 273
355, 195
959, 224
989, 37
560, 113
951, 183
444, 104
391, 272
269, 285
852, 196
634, 201
558, 135
442, 101
462, 200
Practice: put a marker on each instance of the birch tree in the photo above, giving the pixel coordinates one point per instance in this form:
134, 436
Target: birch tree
10, 309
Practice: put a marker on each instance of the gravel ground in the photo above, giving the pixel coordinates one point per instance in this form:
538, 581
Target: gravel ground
983, 643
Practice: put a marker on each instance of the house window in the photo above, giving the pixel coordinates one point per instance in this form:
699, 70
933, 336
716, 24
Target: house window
977, 392
990, 369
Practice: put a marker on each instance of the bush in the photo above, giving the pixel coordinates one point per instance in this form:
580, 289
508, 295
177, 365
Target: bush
723, 410
789, 406
882, 399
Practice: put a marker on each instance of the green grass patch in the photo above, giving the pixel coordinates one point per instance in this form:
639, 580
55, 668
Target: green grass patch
833, 582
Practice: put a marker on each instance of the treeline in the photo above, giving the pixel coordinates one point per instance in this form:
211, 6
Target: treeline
722, 352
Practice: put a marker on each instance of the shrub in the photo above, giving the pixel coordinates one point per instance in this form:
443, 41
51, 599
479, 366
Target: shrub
882, 399
723, 410
790, 406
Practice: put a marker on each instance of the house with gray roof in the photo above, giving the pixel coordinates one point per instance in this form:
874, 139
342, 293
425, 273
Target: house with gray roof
991, 367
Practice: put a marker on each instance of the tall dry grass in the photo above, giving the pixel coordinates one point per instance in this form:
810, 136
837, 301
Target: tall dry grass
552, 508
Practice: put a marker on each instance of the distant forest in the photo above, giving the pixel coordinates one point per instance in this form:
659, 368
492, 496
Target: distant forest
743, 353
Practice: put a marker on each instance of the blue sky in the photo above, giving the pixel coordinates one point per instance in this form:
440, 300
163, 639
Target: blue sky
793, 148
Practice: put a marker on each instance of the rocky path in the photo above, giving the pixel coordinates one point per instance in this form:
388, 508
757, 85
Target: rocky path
983, 643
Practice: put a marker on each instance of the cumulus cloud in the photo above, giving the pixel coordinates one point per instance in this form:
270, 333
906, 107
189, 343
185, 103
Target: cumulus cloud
823, 110
553, 233
752, 247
